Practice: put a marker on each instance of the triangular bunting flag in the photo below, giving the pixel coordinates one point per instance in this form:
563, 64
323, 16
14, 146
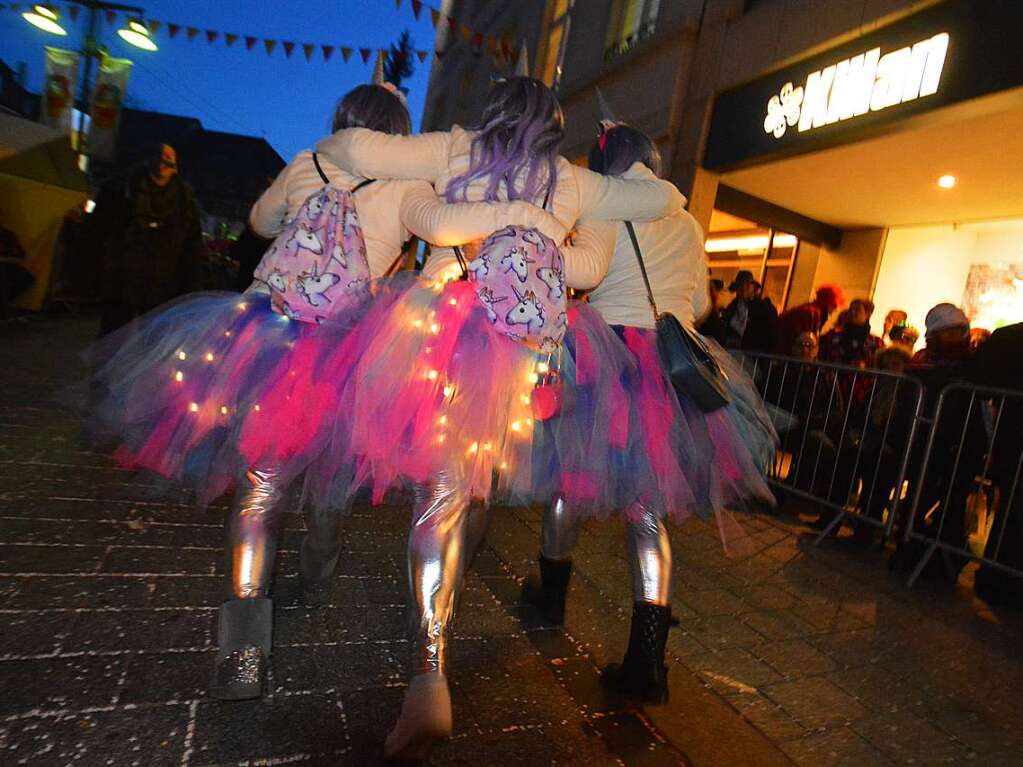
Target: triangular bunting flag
212, 35
328, 51
466, 33
72, 11
111, 18
307, 49
154, 27
346, 53
439, 54
417, 8
421, 55
249, 42
288, 48
230, 39
173, 29
452, 24
191, 32
365, 53
434, 17
492, 46
477, 41
397, 4
269, 45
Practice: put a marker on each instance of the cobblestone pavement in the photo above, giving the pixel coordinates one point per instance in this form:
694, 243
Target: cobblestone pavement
793, 654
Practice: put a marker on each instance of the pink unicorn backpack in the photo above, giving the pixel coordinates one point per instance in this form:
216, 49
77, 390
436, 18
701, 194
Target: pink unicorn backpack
317, 267
519, 278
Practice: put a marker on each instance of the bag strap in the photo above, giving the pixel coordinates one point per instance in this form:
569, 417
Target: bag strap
461, 262
319, 169
642, 267
361, 184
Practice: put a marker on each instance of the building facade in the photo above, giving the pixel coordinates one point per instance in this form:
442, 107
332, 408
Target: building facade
811, 137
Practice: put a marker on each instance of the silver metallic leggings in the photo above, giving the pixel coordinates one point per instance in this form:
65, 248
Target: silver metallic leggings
252, 534
446, 530
647, 540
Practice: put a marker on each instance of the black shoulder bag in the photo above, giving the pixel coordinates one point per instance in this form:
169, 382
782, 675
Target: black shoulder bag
690, 366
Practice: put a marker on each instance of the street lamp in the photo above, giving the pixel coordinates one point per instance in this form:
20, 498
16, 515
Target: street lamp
136, 34
45, 18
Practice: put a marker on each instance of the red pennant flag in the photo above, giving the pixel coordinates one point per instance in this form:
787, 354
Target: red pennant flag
307, 49
365, 53
452, 23
439, 54
72, 11
328, 51
191, 32
211, 36
154, 27
249, 42
477, 41
230, 39
173, 29
346, 53
421, 55
417, 8
111, 18
434, 17
288, 48
397, 4
269, 45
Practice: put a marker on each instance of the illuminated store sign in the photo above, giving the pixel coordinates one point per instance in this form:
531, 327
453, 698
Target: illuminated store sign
868, 82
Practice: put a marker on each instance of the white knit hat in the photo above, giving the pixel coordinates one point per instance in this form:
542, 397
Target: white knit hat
943, 317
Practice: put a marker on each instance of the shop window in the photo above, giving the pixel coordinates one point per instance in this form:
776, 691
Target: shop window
734, 244
555, 24
631, 21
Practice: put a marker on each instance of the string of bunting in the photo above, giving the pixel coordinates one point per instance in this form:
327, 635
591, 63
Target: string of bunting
499, 49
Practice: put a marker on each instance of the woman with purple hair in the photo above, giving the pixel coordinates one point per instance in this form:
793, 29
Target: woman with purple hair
448, 392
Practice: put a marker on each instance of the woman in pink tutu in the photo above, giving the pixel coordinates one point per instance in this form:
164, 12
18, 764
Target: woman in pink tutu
450, 385
218, 390
631, 445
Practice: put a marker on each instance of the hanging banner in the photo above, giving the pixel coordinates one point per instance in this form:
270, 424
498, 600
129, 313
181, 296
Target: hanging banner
59, 89
107, 97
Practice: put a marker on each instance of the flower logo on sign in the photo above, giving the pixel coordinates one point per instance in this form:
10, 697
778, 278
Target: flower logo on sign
783, 110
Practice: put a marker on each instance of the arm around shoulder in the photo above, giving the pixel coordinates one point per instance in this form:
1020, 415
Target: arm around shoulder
636, 195
372, 154
588, 258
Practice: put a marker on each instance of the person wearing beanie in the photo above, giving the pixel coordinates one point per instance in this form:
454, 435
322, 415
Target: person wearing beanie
807, 318
947, 335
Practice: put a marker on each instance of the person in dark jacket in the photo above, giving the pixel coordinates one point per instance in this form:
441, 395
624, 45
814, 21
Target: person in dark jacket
999, 363
749, 322
151, 240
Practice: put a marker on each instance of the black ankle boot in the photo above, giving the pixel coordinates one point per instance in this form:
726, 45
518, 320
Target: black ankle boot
244, 638
643, 675
316, 569
549, 595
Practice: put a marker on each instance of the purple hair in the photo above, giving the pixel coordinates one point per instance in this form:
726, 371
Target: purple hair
520, 133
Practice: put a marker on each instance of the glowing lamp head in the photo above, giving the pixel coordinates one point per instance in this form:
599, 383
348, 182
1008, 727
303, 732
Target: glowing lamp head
45, 18
136, 34
947, 181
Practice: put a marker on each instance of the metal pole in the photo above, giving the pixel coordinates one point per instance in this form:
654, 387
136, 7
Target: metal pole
91, 49
566, 27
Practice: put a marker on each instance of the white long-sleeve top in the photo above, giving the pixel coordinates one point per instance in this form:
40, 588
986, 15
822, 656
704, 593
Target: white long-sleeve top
389, 211
440, 157
603, 258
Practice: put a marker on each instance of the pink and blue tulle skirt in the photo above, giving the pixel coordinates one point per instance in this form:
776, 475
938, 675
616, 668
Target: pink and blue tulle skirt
431, 386
207, 386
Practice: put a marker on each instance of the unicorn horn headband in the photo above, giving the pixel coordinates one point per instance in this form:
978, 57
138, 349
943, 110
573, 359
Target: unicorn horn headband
607, 118
522, 65
378, 79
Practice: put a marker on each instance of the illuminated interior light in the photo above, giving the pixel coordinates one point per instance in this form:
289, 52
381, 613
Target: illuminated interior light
747, 242
947, 181
45, 18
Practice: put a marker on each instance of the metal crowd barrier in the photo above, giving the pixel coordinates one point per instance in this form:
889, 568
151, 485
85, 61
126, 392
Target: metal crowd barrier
967, 500
847, 435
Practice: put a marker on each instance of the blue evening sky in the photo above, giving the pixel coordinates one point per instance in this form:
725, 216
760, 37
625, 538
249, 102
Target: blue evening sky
289, 101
